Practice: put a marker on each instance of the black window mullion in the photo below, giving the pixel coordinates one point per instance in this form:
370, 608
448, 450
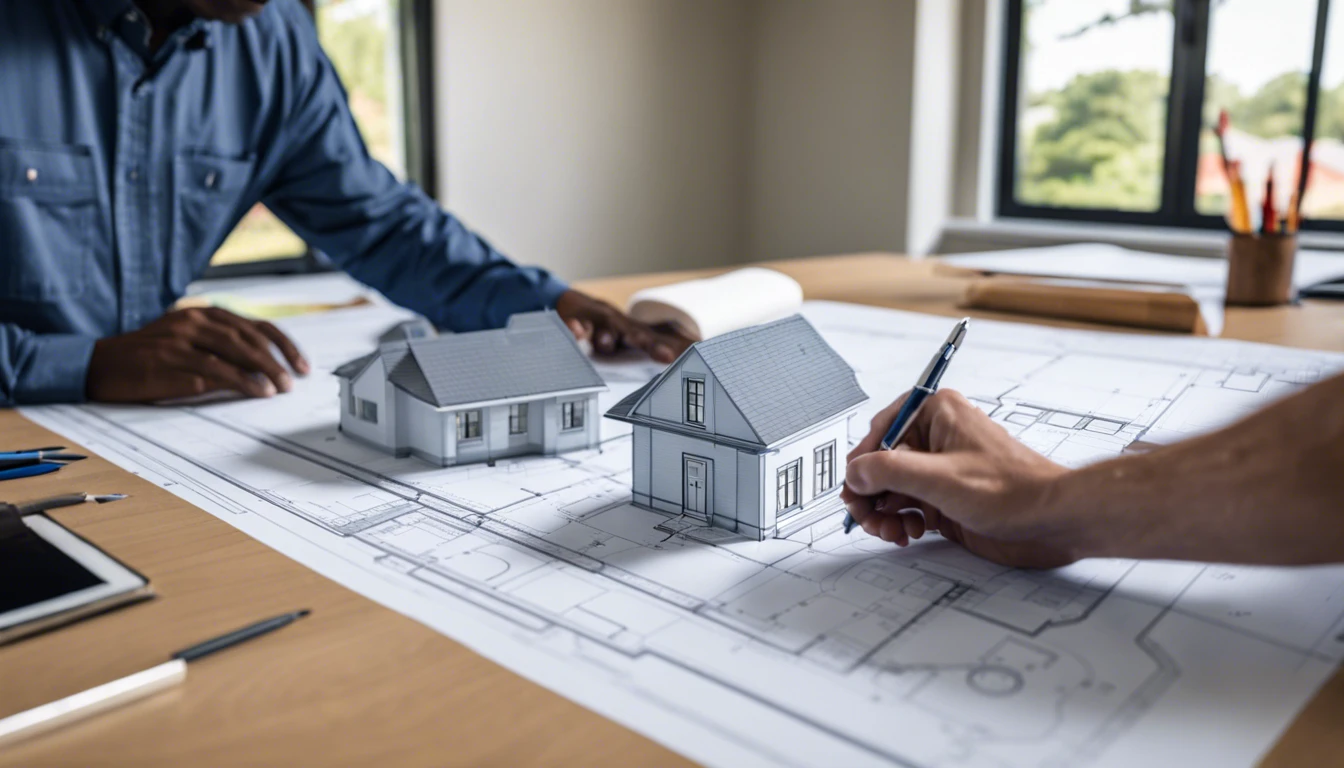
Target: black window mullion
417, 55
1185, 113
1314, 88
1009, 108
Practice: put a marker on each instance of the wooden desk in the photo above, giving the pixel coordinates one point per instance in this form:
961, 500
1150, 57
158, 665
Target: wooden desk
358, 684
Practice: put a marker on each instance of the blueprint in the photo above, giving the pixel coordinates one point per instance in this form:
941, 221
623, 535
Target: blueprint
816, 649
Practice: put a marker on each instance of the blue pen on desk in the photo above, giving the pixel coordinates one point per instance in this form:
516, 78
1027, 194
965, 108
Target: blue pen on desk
28, 471
928, 384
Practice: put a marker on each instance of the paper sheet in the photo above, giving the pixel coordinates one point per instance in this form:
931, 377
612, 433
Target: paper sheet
818, 649
1098, 261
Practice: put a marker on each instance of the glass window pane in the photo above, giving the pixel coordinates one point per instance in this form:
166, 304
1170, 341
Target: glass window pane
360, 38
1258, 60
260, 236
1092, 111
1325, 190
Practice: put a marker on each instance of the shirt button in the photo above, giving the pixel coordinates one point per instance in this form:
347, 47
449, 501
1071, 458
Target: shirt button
31, 175
210, 179
133, 175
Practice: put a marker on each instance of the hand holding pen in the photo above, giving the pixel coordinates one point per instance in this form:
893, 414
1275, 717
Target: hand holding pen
926, 385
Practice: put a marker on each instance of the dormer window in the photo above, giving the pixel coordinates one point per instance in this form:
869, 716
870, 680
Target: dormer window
695, 402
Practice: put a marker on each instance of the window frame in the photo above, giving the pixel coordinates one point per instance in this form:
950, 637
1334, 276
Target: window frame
573, 415
518, 418
783, 484
828, 452
1184, 125
415, 20
368, 411
698, 407
464, 425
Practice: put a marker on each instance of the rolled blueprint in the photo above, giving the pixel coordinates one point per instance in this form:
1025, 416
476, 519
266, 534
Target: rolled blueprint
707, 308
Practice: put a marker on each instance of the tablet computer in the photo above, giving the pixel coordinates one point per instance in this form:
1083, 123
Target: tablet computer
50, 576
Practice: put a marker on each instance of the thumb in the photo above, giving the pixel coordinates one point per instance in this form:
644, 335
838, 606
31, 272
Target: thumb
926, 476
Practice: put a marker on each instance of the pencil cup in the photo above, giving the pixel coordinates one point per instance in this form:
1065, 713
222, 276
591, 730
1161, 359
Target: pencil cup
1260, 269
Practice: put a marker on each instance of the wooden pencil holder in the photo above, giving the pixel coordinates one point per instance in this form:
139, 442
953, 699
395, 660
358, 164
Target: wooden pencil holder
1260, 269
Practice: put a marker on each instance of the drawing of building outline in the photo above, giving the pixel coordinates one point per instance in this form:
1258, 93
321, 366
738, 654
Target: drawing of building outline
828, 648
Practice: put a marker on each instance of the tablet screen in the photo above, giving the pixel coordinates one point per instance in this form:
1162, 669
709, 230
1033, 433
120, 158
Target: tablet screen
33, 570
53, 571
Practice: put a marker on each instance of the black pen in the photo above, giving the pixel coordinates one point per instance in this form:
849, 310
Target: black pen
108, 696
927, 385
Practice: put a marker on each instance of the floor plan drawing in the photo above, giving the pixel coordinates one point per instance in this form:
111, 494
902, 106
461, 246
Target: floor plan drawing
815, 648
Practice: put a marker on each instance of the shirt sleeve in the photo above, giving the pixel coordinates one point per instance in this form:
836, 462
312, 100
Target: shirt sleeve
42, 368
385, 233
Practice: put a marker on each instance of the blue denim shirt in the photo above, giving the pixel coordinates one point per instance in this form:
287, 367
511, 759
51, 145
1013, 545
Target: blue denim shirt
122, 172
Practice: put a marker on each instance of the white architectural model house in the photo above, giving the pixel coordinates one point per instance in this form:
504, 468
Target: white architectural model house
472, 397
747, 431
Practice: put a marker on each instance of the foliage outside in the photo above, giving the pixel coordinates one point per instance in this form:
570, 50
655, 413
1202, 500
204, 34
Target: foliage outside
357, 44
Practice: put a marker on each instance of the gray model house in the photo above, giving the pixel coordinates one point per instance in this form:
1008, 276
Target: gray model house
470, 397
746, 431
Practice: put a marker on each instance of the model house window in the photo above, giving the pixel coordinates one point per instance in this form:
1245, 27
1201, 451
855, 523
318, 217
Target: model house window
571, 415
368, 410
354, 405
468, 425
824, 463
1111, 108
518, 419
786, 485
695, 401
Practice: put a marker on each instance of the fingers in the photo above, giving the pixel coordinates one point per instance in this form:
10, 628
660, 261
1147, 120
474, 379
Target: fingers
609, 329
581, 330
221, 373
241, 350
927, 476
287, 348
878, 428
243, 344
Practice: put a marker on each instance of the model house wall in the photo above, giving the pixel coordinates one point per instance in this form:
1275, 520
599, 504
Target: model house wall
477, 397
696, 452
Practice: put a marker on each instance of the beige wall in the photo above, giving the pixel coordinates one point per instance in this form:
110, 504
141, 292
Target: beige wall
594, 136
613, 136
830, 134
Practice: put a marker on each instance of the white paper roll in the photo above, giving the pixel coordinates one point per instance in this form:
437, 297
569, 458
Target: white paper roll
706, 308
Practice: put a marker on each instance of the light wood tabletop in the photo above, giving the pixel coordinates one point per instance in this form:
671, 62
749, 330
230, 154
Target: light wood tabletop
358, 684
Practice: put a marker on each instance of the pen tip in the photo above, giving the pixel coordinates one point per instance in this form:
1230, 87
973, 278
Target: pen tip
105, 498
301, 613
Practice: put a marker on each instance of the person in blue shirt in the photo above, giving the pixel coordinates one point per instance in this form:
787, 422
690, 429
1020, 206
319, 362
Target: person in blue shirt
134, 137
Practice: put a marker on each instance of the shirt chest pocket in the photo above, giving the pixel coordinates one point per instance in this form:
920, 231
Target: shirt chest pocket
48, 209
209, 200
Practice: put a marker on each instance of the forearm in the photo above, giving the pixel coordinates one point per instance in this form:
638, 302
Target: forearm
1269, 489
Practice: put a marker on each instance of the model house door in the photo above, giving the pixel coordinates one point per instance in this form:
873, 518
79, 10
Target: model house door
697, 478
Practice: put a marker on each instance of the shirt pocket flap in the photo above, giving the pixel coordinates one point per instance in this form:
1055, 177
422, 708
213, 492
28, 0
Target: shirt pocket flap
47, 173
204, 173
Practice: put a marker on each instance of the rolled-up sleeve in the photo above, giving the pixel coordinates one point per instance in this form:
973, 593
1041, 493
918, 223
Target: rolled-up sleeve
385, 233
42, 368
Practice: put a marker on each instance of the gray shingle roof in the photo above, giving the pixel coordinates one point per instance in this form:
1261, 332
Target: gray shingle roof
627, 403
782, 376
419, 328
354, 367
534, 355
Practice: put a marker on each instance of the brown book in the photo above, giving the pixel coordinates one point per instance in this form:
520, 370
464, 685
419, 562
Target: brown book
1157, 307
